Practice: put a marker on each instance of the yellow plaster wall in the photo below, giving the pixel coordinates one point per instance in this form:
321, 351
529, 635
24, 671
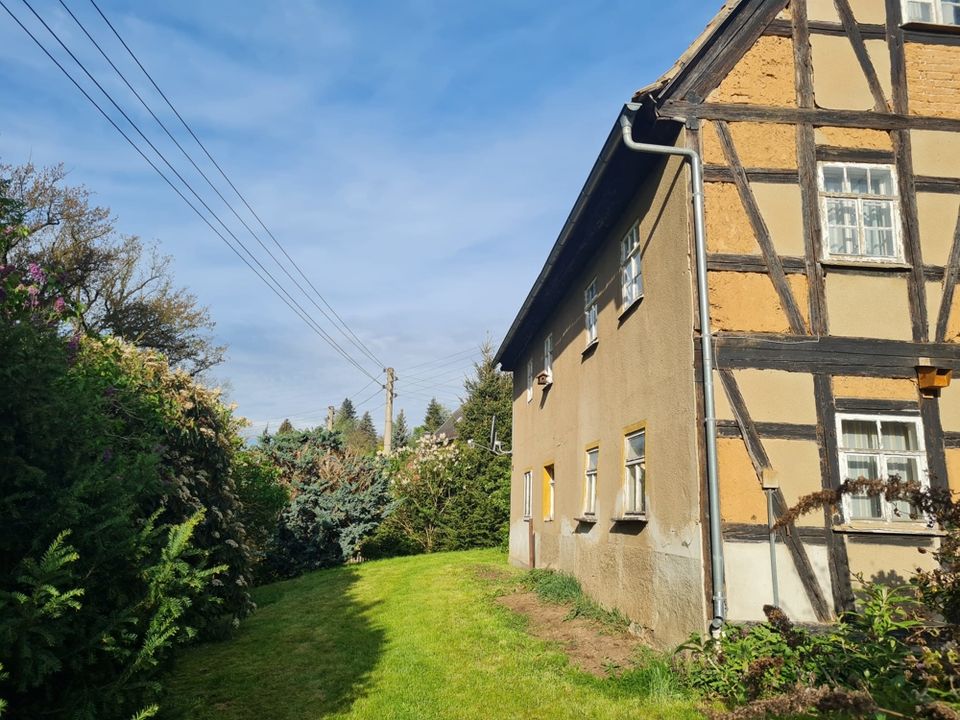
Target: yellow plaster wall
722, 404
800, 288
869, 307
857, 138
778, 396
874, 388
933, 83
782, 210
795, 466
953, 469
935, 153
879, 53
741, 496
937, 215
764, 75
759, 145
728, 229
838, 81
745, 302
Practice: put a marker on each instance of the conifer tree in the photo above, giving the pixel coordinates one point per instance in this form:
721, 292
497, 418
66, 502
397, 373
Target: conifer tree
285, 427
345, 419
401, 435
436, 416
363, 439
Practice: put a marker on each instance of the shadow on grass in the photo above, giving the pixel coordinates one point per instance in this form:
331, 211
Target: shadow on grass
307, 652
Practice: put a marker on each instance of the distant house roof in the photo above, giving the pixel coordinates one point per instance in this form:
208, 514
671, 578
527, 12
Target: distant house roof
618, 171
449, 428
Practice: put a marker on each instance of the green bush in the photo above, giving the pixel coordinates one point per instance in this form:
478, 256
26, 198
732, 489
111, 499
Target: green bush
119, 521
262, 498
338, 500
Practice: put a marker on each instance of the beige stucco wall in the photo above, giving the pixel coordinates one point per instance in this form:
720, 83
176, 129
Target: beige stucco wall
870, 307
778, 396
887, 563
847, 90
937, 216
935, 153
953, 469
764, 75
652, 572
950, 406
872, 388
781, 207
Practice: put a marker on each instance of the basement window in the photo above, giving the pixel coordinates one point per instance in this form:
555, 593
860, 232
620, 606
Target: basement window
590, 312
861, 212
631, 280
934, 12
878, 447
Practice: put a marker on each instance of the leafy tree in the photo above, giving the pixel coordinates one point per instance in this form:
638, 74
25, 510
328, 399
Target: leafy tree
122, 286
436, 416
262, 497
401, 435
285, 427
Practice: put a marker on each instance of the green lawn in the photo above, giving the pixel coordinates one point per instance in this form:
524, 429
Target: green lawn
416, 638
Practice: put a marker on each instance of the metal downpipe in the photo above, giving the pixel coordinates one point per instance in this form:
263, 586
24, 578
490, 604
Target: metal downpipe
706, 353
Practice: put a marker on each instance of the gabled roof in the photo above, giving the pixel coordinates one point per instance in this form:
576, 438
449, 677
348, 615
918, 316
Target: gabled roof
618, 171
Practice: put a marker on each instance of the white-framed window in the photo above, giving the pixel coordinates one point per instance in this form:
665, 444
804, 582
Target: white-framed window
590, 482
548, 357
878, 447
937, 12
529, 380
527, 495
590, 311
860, 210
631, 279
635, 473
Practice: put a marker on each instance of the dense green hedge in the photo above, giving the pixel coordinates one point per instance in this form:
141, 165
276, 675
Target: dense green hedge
119, 521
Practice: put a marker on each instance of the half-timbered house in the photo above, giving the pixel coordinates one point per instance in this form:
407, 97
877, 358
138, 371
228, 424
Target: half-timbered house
829, 135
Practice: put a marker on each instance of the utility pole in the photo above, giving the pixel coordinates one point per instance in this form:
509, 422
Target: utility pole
388, 424
331, 411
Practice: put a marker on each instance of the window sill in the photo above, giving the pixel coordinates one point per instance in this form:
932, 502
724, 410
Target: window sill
632, 518
919, 26
885, 528
895, 265
528, 519
586, 519
588, 350
629, 309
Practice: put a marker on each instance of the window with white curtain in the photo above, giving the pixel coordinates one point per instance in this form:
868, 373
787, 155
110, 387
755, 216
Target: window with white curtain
937, 12
590, 482
860, 209
878, 447
635, 473
527, 495
590, 312
529, 380
631, 280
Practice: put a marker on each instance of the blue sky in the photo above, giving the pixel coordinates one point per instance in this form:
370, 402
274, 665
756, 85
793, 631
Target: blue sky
417, 158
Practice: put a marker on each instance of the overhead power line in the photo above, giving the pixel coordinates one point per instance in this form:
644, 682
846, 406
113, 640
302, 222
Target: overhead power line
470, 352
213, 187
291, 303
346, 328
